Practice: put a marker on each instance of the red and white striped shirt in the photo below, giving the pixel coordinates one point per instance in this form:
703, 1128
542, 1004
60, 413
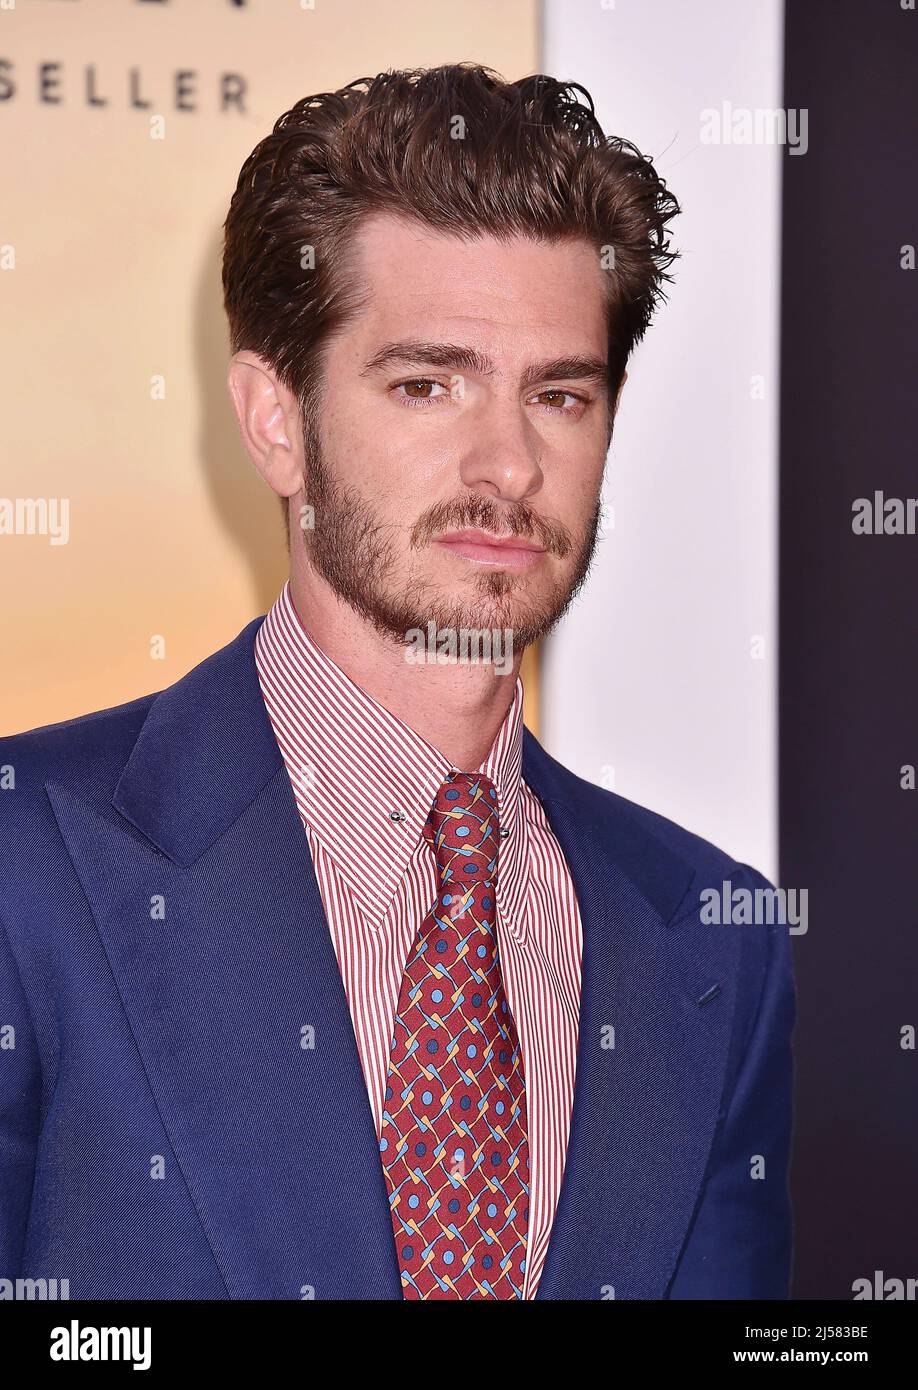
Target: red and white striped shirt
352, 764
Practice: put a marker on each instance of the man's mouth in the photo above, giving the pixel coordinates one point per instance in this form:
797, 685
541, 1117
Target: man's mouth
512, 552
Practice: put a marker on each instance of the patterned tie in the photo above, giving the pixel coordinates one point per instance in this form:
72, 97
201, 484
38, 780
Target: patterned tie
454, 1140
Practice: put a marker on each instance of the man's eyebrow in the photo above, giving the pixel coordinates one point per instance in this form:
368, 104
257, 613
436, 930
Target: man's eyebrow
430, 355
465, 359
594, 369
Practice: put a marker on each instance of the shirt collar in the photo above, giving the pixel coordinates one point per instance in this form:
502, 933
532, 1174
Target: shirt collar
352, 764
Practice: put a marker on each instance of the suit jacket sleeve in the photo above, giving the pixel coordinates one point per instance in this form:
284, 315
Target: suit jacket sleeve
20, 1107
740, 1241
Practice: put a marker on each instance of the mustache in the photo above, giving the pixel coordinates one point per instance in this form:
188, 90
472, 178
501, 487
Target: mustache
483, 514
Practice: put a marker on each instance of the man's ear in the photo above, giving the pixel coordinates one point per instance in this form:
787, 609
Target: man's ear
266, 413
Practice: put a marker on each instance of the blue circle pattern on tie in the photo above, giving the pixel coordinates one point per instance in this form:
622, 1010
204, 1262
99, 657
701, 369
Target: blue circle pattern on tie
460, 1206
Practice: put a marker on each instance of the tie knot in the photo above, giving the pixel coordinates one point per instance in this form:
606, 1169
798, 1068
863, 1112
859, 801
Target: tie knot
462, 829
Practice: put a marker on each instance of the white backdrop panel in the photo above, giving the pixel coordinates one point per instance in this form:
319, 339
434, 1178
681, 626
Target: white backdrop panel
661, 682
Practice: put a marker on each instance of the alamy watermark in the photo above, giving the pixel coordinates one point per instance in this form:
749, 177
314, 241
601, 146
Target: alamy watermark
884, 1289
36, 516
727, 905
757, 125
80, 1342
884, 516
34, 1290
443, 646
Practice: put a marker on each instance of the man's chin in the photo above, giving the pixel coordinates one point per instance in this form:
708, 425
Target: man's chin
499, 603
507, 606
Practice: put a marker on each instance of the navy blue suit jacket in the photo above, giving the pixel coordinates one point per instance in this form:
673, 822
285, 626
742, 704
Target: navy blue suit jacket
163, 948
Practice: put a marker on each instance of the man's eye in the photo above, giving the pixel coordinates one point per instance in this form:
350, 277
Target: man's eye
555, 399
420, 390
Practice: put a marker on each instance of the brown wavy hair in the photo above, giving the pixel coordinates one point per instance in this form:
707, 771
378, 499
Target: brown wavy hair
459, 149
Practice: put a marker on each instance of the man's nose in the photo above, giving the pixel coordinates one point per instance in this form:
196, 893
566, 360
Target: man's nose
502, 453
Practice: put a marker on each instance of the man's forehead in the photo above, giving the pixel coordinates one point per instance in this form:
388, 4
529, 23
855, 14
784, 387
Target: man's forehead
425, 284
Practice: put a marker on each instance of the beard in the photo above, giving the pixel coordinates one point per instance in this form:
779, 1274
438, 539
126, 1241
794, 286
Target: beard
357, 556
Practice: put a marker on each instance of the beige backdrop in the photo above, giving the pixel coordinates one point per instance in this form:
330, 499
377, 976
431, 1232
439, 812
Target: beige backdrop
114, 346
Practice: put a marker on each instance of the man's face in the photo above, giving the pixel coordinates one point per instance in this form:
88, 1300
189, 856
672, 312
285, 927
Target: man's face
466, 401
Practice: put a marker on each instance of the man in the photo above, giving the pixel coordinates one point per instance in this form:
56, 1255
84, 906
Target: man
322, 979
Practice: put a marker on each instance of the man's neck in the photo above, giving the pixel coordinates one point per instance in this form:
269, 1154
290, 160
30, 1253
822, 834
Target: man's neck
458, 707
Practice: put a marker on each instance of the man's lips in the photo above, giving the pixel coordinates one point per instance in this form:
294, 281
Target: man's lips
515, 552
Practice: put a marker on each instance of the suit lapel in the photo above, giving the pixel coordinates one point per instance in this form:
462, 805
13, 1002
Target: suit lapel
645, 1109
214, 929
